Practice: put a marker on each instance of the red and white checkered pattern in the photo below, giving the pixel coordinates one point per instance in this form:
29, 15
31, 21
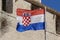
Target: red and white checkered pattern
26, 20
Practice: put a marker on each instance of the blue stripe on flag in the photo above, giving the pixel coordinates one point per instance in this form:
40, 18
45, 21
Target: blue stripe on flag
34, 26
54, 4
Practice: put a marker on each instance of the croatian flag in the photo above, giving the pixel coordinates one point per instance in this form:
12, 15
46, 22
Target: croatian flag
30, 19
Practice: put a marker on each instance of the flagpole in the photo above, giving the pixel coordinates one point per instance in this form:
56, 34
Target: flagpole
45, 23
43, 6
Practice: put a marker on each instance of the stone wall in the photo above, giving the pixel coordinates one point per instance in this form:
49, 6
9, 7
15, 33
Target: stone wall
0, 13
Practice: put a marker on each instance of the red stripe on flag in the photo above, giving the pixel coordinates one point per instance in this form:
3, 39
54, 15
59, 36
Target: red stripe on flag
33, 12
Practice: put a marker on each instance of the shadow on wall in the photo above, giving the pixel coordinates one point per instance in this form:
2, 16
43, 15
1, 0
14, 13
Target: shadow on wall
57, 24
3, 28
7, 6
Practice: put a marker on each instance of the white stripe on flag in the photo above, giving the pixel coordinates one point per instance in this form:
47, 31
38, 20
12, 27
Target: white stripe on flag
34, 19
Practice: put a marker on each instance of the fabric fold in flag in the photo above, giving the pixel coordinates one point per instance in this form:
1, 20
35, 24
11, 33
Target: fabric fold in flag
30, 20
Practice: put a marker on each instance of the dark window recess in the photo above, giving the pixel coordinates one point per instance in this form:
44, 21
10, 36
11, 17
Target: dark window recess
34, 7
57, 24
7, 6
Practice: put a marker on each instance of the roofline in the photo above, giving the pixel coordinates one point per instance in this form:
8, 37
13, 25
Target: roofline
43, 6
